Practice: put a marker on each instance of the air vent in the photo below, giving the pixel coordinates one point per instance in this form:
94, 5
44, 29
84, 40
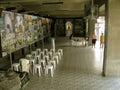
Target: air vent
48, 3
10, 8
22, 10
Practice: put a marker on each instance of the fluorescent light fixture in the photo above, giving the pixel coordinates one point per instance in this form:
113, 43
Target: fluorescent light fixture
45, 3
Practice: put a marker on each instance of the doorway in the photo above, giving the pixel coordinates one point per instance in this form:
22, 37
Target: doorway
99, 29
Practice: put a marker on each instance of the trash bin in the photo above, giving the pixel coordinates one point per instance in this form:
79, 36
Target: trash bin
53, 43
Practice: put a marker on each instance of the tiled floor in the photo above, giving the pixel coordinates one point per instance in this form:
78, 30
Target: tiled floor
80, 69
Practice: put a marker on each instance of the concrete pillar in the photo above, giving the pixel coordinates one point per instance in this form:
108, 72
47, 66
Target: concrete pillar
91, 29
86, 33
111, 65
0, 34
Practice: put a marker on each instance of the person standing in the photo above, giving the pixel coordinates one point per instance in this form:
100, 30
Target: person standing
70, 37
94, 40
102, 41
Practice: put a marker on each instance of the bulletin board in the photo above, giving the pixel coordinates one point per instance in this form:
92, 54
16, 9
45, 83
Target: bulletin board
20, 30
7, 32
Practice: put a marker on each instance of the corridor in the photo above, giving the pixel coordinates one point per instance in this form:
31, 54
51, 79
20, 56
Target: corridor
79, 69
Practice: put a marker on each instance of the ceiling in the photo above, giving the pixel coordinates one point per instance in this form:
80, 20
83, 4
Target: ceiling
53, 8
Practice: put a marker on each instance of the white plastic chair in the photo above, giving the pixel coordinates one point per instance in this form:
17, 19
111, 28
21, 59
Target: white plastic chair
50, 54
61, 51
38, 50
51, 68
15, 66
32, 63
46, 58
29, 56
34, 54
59, 55
55, 57
39, 68
42, 54
43, 63
52, 50
37, 58
52, 62
45, 51
25, 65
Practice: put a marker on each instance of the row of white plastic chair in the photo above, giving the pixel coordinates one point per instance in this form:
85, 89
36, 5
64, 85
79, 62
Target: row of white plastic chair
40, 60
49, 59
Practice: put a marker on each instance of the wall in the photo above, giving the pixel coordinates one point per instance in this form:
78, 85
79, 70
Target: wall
78, 27
112, 47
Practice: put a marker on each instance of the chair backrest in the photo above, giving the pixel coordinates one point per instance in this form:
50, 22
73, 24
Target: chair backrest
45, 51
42, 54
34, 54
52, 50
29, 56
50, 54
38, 51
46, 57
38, 57
25, 65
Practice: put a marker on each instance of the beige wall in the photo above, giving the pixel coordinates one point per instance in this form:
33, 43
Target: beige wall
112, 49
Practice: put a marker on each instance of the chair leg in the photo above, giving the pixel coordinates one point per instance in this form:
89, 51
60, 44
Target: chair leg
51, 72
39, 72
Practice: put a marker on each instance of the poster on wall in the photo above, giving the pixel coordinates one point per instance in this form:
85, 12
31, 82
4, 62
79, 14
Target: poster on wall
28, 29
19, 31
36, 27
44, 26
40, 30
2, 27
48, 24
7, 34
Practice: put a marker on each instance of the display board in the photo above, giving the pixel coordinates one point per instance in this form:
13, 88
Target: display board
35, 28
19, 30
48, 24
32, 28
44, 26
40, 31
29, 28
7, 32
